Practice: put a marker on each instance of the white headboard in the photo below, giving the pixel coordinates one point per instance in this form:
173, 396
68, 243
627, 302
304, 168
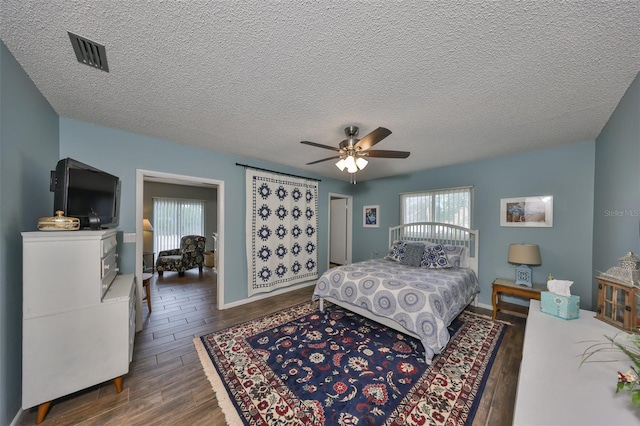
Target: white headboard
440, 233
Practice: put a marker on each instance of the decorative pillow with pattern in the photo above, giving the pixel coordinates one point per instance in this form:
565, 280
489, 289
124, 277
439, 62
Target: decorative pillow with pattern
454, 254
435, 257
413, 253
397, 251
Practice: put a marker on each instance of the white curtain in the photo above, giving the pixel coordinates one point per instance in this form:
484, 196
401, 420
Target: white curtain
173, 218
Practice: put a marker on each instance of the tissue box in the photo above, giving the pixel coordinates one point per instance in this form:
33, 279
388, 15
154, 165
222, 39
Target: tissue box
560, 306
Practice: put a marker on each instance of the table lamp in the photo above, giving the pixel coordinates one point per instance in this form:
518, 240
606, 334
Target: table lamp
524, 255
146, 225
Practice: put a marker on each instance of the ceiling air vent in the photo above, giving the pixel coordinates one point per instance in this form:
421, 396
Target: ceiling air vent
89, 52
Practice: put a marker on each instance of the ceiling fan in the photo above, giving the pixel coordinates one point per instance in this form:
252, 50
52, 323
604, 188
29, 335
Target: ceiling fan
352, 151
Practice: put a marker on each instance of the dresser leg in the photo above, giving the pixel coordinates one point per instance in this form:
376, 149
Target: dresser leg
118, 382
494, 301
43, 409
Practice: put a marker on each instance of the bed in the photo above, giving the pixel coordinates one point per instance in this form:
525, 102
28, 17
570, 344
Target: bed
420, 301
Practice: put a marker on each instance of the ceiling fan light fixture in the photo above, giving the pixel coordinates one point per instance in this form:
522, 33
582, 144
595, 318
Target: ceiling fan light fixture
361, 163
350, 163
351, 151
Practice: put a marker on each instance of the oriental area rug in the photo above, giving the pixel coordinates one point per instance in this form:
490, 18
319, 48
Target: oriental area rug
302, 366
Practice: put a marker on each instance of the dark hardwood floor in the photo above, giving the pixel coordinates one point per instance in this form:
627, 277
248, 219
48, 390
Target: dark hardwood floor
167, 386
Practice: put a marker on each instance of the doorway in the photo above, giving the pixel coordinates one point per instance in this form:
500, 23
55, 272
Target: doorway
340, 223
143, 176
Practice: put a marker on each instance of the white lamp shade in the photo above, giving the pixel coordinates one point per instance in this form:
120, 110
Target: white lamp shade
361, 163
350, 162
341, 164
146, 225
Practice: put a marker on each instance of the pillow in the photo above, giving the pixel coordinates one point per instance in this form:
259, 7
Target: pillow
396, 251
435, 257
413, 254
454, 254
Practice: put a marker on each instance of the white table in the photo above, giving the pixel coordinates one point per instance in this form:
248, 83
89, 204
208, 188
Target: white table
553, 389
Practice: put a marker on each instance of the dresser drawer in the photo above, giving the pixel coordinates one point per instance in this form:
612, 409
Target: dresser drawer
108, 244
108, 270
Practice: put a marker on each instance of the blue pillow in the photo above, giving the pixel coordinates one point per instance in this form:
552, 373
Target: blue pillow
412, 254
397, 251
434, 257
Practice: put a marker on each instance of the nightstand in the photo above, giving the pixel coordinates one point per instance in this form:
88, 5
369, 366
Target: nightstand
509, 287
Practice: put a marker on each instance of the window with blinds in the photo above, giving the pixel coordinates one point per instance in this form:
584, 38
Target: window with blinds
173, 218
450, 205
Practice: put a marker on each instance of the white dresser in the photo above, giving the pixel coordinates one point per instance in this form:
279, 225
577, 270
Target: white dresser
553, 389
78, 315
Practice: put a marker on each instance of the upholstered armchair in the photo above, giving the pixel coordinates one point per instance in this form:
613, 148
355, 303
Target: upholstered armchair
189, 255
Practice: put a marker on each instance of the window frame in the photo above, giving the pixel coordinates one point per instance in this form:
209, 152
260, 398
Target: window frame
432, 204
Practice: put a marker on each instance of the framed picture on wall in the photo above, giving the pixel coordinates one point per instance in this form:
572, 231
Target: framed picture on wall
527, 211
371, 216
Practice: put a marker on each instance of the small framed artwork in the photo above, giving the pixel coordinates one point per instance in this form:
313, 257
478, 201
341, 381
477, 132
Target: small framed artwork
371, 216
527, 211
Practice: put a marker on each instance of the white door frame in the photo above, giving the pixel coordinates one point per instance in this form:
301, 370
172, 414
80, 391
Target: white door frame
150, 175
349, 199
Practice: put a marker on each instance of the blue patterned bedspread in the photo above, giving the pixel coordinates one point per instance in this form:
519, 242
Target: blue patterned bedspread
424, 301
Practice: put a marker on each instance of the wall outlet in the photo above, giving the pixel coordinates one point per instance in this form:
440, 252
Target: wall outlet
129, 237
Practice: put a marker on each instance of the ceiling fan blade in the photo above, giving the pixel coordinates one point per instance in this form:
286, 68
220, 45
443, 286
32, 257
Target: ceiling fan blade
319, 145
380, 153
372, 138
324, 159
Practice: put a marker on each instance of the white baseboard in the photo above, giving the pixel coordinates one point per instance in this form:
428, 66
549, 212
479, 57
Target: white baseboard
267, 295
485, 306
16, 419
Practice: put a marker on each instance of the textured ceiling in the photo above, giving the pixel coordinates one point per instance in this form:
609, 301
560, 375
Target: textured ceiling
455, 81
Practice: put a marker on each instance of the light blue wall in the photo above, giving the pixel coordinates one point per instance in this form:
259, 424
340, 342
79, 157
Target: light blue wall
121, 153
565, 172
28, 149
617, 189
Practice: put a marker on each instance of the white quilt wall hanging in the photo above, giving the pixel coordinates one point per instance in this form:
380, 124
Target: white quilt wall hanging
282, 230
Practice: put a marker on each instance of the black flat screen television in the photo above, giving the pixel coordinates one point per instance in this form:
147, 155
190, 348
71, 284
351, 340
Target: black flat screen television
84, 192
